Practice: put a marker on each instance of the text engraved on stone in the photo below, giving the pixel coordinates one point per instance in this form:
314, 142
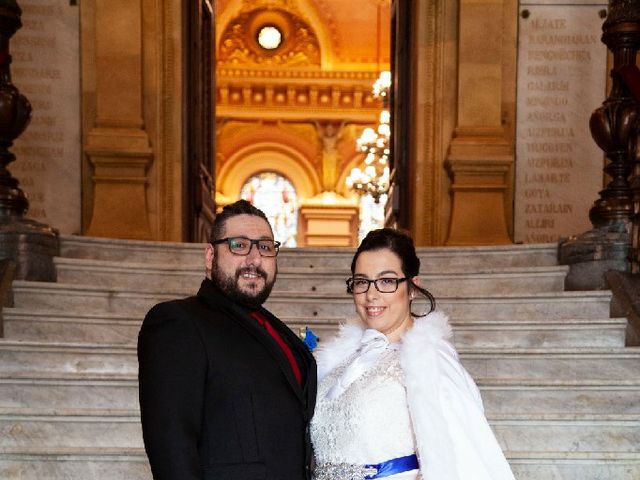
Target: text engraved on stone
45, 67
561, 80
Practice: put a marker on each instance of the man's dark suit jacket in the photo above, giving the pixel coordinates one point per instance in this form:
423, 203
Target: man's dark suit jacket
218, 398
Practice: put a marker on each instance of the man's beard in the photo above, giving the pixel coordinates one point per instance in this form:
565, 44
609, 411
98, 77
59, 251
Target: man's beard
229, 286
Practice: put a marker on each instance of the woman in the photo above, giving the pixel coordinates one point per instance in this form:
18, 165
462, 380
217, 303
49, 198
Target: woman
393, 399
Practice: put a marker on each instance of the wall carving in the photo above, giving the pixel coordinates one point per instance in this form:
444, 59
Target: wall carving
299, 94
234, 136
239, 41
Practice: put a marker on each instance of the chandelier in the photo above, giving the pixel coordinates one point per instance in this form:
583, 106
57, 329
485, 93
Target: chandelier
373, 177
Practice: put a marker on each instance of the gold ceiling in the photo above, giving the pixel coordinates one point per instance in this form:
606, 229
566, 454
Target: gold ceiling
347, 30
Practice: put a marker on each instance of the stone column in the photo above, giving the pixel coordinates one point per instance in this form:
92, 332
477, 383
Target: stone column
117, 144
30, 244
614, 127
481, 153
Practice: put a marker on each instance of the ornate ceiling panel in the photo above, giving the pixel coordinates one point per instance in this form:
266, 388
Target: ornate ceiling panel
348, 28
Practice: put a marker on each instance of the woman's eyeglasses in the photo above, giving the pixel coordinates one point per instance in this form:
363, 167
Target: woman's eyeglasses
383, 285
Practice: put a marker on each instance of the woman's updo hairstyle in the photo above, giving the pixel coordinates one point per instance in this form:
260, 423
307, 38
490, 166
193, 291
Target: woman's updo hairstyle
402, 245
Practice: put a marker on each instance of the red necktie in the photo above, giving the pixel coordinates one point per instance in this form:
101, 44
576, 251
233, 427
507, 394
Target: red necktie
279, 340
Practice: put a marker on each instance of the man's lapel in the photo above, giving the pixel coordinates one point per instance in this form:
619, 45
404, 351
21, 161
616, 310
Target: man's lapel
308, 388
239, 315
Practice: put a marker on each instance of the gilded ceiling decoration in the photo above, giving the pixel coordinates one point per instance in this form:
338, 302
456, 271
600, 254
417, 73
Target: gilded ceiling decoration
240, 46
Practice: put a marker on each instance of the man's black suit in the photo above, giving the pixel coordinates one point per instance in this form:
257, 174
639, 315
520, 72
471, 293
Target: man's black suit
218, 397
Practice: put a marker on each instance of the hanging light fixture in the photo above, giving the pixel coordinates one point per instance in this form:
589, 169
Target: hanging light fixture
373, 178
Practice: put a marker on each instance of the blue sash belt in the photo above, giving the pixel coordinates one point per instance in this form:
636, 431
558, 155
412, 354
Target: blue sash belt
393, 466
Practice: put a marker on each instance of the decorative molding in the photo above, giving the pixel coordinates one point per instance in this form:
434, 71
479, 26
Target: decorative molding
251, 5
328, 225
169, 137
433, 118
306, 9
238, 44
302, 75
268, 156
234, 136
296, 94
326, 14
478, 189
622, 11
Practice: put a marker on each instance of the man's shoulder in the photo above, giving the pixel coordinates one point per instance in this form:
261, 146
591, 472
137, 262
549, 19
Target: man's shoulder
193, 309
174, 306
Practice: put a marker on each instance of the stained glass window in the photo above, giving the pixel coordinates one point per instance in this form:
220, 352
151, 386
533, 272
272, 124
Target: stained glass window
371, 214
275, 196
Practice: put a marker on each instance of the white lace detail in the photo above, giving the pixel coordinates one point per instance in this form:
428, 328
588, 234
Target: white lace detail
367, 424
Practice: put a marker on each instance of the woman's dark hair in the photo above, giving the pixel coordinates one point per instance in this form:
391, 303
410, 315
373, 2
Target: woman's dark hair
401, 244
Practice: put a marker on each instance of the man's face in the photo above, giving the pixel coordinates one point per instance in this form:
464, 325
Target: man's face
246, 279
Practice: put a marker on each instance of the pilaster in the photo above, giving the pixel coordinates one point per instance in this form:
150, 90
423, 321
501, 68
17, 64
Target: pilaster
481, 153
479, 167
116, 145
132, 117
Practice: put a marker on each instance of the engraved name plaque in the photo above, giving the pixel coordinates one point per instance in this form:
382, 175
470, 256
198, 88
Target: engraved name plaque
46, 69
561, 81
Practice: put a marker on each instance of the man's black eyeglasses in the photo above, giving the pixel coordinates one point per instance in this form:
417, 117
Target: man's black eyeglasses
242, 246
383, 285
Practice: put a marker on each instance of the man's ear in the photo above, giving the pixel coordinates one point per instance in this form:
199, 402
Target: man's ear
209, 258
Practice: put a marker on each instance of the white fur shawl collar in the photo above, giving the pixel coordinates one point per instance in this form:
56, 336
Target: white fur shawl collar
453, 439
433, 327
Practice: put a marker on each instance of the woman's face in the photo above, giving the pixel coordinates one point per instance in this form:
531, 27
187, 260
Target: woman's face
388, 313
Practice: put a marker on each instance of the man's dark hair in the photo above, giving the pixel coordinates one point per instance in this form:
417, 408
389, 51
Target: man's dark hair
241, 207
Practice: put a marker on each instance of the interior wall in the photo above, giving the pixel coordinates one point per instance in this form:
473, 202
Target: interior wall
132, 110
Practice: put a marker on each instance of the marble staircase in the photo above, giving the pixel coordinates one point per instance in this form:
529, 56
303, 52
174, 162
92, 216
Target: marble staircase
561, 390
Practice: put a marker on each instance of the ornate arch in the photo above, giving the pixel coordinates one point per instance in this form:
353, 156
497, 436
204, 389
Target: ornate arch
341, 186
267, 156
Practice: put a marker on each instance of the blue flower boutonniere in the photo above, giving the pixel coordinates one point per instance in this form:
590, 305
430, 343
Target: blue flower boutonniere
310, 339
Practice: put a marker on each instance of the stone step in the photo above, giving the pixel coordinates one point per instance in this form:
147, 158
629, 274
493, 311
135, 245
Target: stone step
581, 364
103, 392
575, 433
120, 392
90, 463
562, 305
575, 466
79, 298
20, 324
559, 398
139, 276
69, 429
16, 356
432, 258
586, 364
515, 433
68, 390
83, 463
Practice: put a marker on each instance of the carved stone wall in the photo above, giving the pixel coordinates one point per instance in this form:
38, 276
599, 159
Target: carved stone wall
132, 118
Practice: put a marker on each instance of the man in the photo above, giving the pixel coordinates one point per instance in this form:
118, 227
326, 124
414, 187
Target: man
226, 389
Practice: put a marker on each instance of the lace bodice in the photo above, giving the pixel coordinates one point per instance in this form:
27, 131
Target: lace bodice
368, 423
